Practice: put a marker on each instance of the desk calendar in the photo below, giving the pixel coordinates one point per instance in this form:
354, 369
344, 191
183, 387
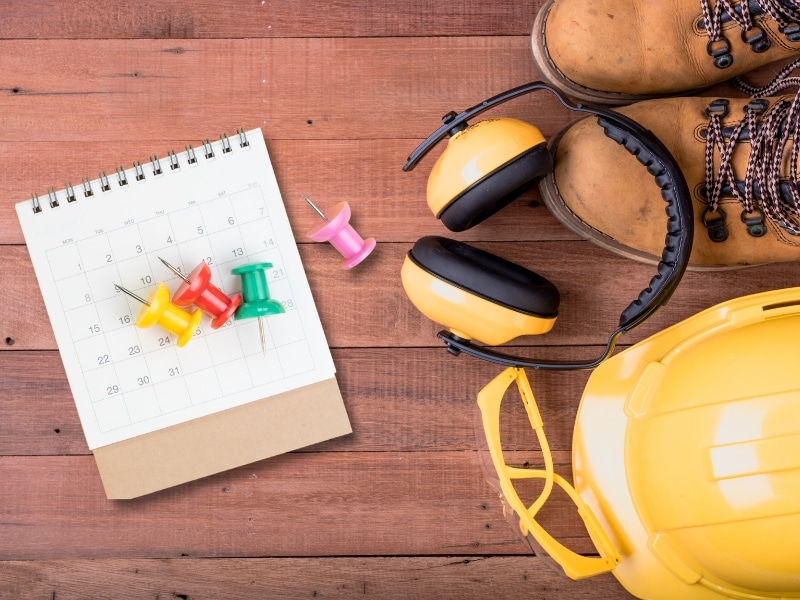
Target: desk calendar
218, 204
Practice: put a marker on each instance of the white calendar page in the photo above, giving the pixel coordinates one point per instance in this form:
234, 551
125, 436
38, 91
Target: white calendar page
226, 211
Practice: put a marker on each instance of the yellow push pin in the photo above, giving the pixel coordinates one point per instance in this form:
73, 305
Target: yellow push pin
159, 310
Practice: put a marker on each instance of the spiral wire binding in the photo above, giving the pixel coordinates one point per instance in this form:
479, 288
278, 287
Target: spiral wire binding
191, 156
243, 143
121, 177
52, 198
208, 150
104, 185
226, 145
156, 164
87, 188
138, 170
70, 192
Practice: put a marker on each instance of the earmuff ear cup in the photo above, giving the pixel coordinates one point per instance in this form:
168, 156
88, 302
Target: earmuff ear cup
497, 189
477, 294
484, 167
487, 275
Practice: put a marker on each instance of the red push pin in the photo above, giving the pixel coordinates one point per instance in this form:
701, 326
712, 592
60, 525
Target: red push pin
197, 289
338, 231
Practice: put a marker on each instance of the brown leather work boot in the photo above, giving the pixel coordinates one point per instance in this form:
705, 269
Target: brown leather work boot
736, 155
622, 51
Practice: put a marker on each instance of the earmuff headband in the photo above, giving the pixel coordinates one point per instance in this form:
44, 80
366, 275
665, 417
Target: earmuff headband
456, 122
651, 153
457, 345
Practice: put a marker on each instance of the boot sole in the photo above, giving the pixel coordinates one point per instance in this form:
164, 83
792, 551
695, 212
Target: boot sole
548, 189
554, 76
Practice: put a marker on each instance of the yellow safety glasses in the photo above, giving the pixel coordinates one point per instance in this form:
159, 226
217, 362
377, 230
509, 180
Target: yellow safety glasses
574, 565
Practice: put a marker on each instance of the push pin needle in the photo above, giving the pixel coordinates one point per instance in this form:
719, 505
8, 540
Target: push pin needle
132, 295
174, 270
314, 206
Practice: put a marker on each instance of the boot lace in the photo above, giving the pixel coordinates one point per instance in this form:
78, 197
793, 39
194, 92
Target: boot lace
772, 131
784, 12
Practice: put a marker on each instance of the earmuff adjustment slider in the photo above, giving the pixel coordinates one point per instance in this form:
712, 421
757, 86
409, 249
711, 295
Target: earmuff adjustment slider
449, 118
454, 350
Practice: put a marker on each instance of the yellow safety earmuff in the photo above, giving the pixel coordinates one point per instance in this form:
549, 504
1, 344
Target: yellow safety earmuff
481, 297
485, 166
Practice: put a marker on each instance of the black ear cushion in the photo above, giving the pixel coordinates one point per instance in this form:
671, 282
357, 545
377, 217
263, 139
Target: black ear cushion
488, 276
497, 189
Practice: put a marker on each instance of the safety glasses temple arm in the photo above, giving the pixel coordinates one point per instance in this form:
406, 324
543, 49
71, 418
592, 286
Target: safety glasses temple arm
575, 565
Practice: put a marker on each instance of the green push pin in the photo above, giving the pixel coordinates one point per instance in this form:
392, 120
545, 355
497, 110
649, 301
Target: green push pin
255, 292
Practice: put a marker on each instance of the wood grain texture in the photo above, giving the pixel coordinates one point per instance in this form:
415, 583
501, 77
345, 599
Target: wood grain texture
297, 504
367, 307
397, 578
343, 92
387, 203
310, 88
411, 401
173, 19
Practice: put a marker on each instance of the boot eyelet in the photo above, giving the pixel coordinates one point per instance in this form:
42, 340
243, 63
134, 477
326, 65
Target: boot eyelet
754, 220
717, 231
756, 39
720, 51
758, 106
718, 107
700, 24
791, 31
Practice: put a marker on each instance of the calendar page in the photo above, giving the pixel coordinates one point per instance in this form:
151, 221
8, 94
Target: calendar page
218, 204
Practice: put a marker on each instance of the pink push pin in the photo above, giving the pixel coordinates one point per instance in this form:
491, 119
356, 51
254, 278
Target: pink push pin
338, 231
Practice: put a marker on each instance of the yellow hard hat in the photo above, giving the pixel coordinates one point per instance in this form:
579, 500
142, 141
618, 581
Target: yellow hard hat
686, 457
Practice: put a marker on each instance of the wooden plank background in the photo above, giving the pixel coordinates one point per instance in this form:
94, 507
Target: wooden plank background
343, 91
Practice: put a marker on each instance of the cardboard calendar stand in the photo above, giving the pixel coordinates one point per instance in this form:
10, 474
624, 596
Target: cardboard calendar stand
222, 441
